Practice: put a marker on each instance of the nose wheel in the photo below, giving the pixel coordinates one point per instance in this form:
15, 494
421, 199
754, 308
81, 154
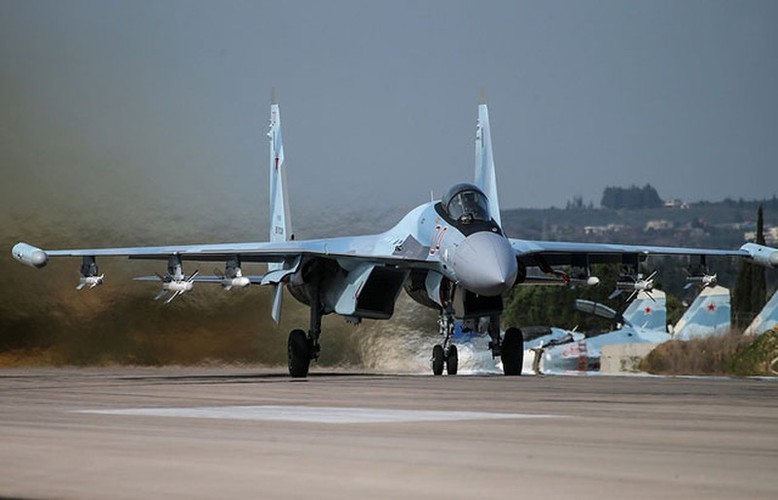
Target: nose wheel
448, 358
452, 360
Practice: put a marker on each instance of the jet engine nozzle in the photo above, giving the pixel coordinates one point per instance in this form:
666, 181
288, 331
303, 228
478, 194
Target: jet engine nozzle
29, 255
486, 264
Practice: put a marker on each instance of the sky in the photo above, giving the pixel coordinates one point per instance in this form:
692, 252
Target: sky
113, 111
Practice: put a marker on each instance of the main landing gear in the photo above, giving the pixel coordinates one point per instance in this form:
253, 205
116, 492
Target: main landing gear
303, 348
512, 351
445, 354
510, 348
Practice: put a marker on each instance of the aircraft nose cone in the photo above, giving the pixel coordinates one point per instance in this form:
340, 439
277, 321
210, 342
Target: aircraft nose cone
486, 264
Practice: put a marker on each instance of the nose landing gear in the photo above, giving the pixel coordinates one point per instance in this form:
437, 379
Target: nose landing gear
446, 353
445, 357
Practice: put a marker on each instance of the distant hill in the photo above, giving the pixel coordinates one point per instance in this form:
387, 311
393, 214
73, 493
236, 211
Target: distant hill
722, 224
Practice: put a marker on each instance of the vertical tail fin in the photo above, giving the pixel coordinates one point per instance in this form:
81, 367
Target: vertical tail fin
709, 314
485, 177
280, 220
648, 312
766, 320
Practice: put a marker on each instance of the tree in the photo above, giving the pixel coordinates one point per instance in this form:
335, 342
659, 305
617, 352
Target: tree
554, 305
630, 198
759, 294
749, 295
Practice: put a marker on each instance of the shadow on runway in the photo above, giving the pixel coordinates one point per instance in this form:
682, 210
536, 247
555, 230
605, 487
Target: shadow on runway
250, 378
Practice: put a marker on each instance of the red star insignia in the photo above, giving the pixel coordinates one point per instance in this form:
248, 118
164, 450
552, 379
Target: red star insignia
648, 310
711, 307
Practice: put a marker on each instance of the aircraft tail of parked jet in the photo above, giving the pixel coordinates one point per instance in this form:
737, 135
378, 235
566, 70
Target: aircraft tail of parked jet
766, 320
709, 314
648, 311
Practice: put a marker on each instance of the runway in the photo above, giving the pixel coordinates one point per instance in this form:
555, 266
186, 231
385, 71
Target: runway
252, 432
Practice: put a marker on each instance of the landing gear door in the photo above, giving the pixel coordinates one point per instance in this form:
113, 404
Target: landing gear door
367, 291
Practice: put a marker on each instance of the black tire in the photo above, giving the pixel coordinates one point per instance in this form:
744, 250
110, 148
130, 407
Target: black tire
512, 352
452, 360
438, 357
299, 350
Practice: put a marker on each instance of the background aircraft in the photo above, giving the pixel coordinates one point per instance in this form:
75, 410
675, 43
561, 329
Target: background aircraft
709, 314
766, 320
644, 320
450, 255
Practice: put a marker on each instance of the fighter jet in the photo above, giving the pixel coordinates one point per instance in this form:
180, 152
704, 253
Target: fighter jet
451, 255
644, 320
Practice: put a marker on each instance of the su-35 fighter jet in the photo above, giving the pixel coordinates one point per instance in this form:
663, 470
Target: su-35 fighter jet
450, 255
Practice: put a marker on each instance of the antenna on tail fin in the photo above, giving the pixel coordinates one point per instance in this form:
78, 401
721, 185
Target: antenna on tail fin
485, 177
280, 219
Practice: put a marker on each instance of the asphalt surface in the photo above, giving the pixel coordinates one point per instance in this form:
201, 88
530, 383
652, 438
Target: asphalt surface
237, 433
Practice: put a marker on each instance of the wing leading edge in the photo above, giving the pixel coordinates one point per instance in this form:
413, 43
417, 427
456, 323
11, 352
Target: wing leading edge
559, 253
370, 248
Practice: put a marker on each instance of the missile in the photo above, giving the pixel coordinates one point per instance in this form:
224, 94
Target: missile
705, 280
29, 255
238, 282
638, 285
90, 282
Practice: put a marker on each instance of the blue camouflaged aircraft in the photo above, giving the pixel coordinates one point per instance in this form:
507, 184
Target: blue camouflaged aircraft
451, 255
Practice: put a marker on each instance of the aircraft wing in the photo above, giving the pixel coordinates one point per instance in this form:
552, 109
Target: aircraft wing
379, 249
559, 253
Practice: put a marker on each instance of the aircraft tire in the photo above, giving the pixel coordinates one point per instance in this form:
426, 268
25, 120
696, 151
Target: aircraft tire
512, 352
299, 350
452, 360
438, 358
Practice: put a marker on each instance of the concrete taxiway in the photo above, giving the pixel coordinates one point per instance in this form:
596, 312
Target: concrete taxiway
235, 433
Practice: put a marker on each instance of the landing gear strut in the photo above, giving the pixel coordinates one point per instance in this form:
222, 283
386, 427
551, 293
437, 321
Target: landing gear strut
445, 354
510, 348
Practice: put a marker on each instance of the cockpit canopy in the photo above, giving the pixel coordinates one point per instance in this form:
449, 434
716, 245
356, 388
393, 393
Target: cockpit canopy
466, 203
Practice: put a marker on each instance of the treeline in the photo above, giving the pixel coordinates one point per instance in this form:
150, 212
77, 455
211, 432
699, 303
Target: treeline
555, 306
630, 198
750, 293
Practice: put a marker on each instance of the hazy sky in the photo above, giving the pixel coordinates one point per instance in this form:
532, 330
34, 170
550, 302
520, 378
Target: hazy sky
104, 103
